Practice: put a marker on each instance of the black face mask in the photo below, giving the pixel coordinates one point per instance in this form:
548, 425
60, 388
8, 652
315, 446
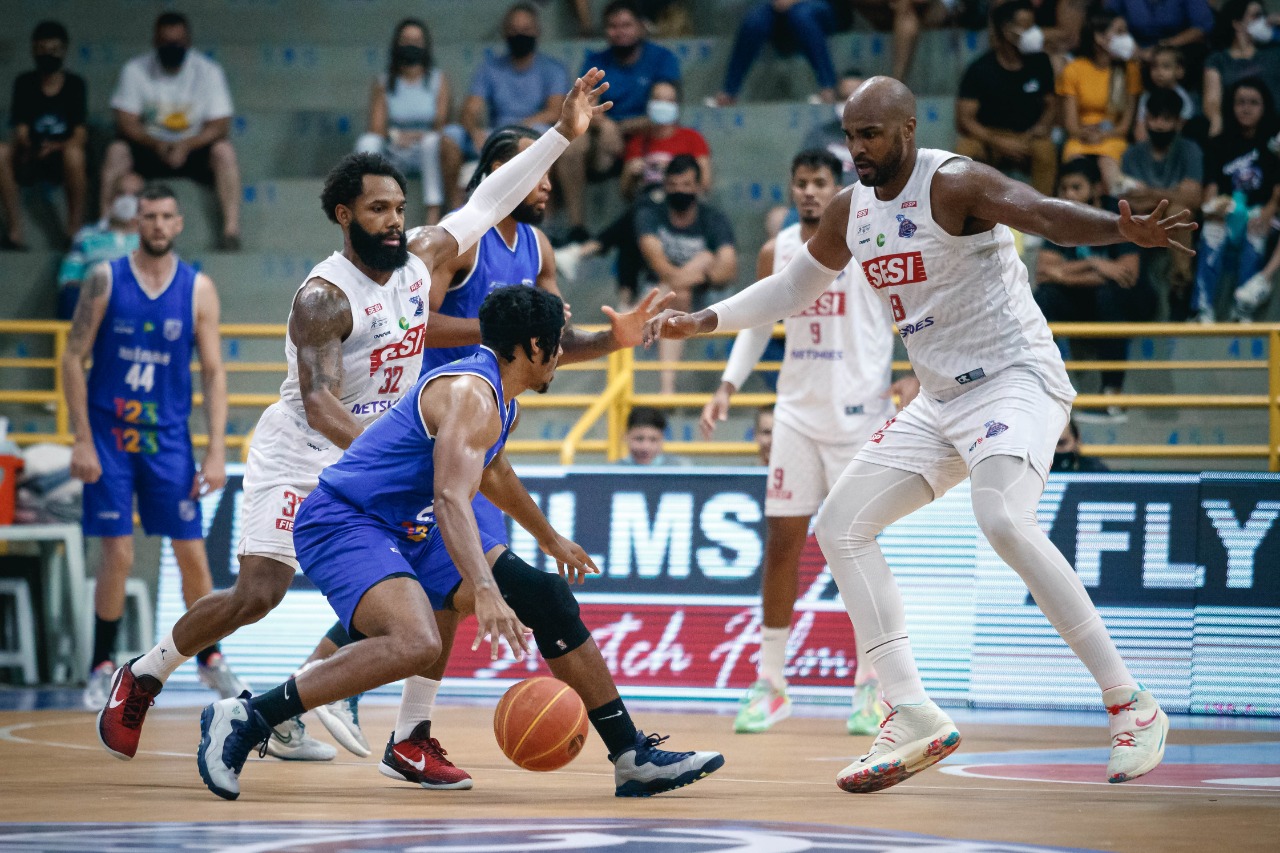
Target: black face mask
1161, 139
47, 63
1069, 461
623, 52
680, 202
410, 54
172, 55
370, 249
521, 45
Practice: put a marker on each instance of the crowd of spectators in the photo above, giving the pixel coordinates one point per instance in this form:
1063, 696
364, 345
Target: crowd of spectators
1159, 99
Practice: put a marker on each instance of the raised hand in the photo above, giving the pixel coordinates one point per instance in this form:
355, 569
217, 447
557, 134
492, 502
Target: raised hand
1152, 231
582, 104
628, 328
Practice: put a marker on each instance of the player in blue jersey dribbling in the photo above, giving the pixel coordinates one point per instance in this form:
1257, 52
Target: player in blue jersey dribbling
402, 492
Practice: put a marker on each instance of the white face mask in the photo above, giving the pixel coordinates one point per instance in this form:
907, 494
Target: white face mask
1122, 47
1259, 30
1031, 40
124, 208
663, 112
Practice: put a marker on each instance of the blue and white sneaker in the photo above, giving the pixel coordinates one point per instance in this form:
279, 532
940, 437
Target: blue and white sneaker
644, 770
229, 730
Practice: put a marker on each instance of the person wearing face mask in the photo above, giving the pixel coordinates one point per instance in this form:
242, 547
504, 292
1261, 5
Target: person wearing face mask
102, 242
173, 120
1166, 166
1166, 71
1006, 109
1184, 24
1246, 45
633, 63
522, 87
47, 114
1099, 91
408, 110
647, 153
1067, 455
688, 247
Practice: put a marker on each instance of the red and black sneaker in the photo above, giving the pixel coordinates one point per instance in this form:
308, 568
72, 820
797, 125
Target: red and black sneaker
120, 721
421, 760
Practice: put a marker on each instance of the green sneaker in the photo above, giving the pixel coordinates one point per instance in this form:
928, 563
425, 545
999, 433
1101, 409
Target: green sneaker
763, 706
868, 710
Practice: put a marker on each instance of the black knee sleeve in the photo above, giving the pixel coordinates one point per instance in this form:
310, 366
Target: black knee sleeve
338, 635
543, 602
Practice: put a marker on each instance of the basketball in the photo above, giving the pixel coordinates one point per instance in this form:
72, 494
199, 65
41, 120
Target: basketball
540, 724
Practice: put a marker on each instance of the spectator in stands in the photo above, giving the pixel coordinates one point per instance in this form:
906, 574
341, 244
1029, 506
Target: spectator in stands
102, 242
1006, 107
47, 113
687, 245
764, 433
521, 87
173, 119
1246, 47
1166, 23
1099, 91
646, 433
905, 18
1067, 456
789, 24
1093, 284
1241, 192
1060, 20
1165, 166
408, 109
632, 64
648, 152
1165, 71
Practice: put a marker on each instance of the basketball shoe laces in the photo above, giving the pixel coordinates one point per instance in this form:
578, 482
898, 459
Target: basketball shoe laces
432, 748
1125, 738
134, 709
887, 740
660, 757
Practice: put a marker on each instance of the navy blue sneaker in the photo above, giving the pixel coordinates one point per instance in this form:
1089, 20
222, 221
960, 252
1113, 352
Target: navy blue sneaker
229, 730
644, 770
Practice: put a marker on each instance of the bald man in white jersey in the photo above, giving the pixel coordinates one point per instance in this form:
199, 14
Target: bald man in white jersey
931, 231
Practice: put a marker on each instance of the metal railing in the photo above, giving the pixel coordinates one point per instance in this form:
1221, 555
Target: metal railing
621, 371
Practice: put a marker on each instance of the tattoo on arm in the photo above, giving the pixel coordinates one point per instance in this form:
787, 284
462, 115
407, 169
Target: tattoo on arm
320, 322
84, 322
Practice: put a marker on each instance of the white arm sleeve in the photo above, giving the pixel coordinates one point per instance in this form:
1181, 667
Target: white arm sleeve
500, 192
782, 294
748, 347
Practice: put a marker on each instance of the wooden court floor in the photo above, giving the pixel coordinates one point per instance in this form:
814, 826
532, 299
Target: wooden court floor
53, 770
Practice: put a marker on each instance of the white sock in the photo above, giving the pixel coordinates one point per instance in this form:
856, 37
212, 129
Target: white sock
773, 654
416, 701
161, 661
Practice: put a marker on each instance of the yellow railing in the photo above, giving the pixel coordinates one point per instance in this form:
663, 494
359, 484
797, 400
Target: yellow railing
620, 372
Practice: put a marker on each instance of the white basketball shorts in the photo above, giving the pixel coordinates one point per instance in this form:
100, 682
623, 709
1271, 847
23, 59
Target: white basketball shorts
802, 471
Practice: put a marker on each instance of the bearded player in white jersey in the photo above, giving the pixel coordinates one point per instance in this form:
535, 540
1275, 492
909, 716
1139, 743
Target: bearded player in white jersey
354, 346
833, 393
931, 232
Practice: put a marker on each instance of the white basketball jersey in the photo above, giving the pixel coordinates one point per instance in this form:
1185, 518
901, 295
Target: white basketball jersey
383, 354
963, 305
839, 356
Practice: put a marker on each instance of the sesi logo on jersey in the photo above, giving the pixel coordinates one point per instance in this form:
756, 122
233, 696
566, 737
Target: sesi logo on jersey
895, 270
829, 304
407, 347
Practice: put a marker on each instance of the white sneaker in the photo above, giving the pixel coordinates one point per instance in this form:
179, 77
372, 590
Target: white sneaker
97, 688
567, 259
911, 738
218, 677
342, 719
1249, 297
1139, 730
290, 741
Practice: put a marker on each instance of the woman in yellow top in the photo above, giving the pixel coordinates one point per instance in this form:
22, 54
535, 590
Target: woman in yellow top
1099, 91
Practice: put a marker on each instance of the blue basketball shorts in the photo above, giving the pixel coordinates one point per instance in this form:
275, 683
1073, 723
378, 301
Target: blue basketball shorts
346, 552
493, 532
155, 464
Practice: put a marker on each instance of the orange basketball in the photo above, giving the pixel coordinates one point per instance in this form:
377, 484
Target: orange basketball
540, 724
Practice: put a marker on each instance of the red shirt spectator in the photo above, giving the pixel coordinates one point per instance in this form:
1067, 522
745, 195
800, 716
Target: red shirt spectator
647, 154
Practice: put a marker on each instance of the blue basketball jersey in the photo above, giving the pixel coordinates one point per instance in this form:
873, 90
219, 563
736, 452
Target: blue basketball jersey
497, 265
388, 472
141, 374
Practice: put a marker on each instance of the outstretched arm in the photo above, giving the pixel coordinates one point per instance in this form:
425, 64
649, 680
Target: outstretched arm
968, 198
319, 323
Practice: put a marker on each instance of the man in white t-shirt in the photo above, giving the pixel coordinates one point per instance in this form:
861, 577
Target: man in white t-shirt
173, 119
932, 232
